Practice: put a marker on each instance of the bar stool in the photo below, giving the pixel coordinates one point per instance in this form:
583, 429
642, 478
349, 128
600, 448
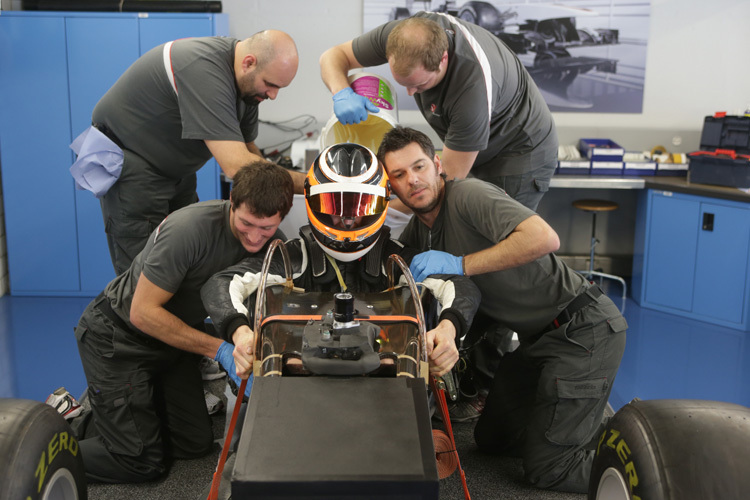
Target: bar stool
593, 207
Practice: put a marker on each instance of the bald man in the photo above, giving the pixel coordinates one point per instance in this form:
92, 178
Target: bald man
177, 106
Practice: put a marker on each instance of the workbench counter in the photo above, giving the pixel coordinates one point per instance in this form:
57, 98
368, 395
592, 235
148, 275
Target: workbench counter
677, 184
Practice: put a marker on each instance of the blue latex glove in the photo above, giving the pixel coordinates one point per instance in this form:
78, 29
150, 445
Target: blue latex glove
226, 360
435, 262
351, 107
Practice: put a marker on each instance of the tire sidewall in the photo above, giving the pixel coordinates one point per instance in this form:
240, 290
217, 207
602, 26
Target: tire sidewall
622, 446
676, 449
36, 445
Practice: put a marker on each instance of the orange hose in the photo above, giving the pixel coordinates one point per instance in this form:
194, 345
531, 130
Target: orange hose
444, 454
443, 406
214, 493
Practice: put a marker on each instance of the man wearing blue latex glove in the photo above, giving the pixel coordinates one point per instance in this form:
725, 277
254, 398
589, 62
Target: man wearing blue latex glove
471, 90
142, 338
435, 262
351, 107
225, 357
547, 398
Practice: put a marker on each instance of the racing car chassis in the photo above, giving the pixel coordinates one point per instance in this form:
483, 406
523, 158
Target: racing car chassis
324, 421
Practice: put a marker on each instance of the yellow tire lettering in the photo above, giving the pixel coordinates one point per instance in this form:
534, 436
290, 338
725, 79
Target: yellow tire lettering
41, 471
601, 440
60, 441
632, 476
623, 452
53, 448
64, 441
73, 446
613, 438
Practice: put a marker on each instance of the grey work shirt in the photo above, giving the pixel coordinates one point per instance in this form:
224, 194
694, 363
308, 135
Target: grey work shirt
512, 129
189, 246
168, 129
476, 215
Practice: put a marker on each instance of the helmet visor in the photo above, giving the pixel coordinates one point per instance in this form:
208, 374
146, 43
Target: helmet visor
347, 204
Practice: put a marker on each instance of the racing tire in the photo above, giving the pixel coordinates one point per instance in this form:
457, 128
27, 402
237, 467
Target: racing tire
39, 457
673, 449
482, 14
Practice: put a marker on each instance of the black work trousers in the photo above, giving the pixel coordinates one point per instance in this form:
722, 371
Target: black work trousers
147, 402
137, 203
547, 398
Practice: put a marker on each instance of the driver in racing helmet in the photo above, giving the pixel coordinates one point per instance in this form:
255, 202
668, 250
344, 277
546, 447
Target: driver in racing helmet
344, 247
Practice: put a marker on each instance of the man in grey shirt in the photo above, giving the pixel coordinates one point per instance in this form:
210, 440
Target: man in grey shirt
139, 351
175, 107
547, 398
472, 90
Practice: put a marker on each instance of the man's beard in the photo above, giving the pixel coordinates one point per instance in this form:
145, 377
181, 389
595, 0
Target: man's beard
431, 206
250, 99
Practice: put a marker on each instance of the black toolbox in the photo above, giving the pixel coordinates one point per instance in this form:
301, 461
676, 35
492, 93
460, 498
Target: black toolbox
724, 158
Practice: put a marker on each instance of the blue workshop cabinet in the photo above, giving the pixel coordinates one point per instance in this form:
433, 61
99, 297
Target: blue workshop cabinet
692, 257
55, 67
40, 223
99, 51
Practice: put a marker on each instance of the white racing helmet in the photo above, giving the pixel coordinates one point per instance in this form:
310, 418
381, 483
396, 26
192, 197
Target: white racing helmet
346, 195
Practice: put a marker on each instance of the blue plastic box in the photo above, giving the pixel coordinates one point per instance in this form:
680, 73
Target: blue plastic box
606, 167
605, 150
573, 167
640, 168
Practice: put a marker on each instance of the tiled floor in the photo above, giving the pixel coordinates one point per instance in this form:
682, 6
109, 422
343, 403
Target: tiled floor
666, 356
38, 351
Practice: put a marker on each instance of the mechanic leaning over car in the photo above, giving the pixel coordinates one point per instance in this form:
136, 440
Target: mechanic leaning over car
139, 354
547, 398
175, 107
345, 247
472, 90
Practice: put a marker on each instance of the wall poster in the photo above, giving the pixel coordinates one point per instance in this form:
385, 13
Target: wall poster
584, 55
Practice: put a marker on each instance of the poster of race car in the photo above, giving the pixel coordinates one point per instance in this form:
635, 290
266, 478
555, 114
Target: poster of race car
584, 55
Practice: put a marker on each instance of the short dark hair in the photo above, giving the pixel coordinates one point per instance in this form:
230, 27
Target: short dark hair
264, 188
399, 137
